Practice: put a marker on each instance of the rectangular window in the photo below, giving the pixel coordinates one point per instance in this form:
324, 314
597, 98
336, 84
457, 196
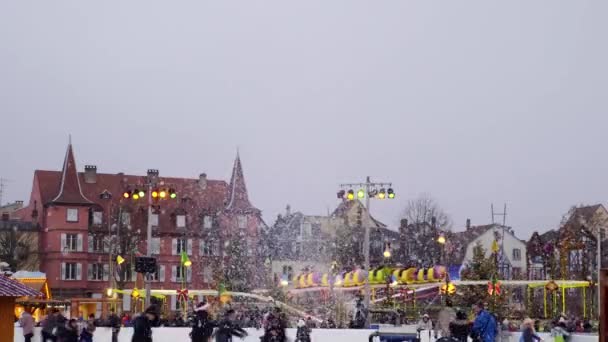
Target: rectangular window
72, 215
207, 274
306, 230
127, 273
516, 254
241, 221
156, 246
180, 221
206, 249
97, 217
180, 273
154, 220
207, 222
71, 242
97, 244
125, 219
70, 271
96, 271
181, 246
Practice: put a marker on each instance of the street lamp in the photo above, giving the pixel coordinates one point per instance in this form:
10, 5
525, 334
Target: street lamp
367, 189
442, 241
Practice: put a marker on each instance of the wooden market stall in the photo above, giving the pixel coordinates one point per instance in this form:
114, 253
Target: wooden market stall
9, 291
36, 305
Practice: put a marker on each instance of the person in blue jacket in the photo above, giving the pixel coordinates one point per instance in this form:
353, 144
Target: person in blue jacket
484, 326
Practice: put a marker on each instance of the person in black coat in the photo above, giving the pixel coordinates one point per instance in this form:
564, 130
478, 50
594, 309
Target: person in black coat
202, 325
303, 332
460, 328
142, 325
70, 333
227, 328
114, 323
276, 323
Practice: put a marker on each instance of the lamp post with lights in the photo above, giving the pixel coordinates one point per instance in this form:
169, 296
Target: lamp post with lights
367, 190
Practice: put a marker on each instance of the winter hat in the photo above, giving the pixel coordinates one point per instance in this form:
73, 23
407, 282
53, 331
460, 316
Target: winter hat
301, 323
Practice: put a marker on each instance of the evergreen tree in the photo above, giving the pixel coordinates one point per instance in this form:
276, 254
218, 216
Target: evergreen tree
482, 268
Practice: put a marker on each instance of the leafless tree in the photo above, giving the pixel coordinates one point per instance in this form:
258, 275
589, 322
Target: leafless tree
423, 209
18, 249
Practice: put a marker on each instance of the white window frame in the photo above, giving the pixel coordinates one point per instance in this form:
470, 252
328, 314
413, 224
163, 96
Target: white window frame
98, 218
125, 218
241, 221
180, 221
181, 246
70, 271
207, 222
518, 258
71, 242
71, 215
154, 220
206, 248
96, 271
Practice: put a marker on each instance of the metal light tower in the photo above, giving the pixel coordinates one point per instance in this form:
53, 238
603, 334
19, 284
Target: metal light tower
371, 190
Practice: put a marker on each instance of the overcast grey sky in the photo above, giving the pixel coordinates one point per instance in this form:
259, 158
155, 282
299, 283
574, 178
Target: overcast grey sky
473, 102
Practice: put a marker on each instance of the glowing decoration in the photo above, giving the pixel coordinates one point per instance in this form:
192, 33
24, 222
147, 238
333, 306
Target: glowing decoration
391, 193
441, 239
135, 196
141, 193
448, 289
162, 194
284, 281
126, 194
185, 260
361, 193
120, 260
172, 194
154, 194
110, 292
382, 194
387, 253
350, 195
135, 293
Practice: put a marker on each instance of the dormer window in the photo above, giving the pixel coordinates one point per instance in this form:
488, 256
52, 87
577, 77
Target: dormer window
72, 215
241, 221
97, 218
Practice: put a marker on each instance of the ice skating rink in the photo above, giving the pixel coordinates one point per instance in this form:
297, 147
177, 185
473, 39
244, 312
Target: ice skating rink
318, 335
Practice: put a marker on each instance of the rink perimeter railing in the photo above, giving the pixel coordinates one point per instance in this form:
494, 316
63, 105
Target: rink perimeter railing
318, 335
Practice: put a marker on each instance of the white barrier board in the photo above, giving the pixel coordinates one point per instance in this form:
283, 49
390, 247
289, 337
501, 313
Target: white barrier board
318, 335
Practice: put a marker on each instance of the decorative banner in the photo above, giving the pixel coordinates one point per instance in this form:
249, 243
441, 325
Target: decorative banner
182, 295
135, 293
551, 286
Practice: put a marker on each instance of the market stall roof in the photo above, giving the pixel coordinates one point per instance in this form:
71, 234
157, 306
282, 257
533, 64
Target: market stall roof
35, 280
13, 288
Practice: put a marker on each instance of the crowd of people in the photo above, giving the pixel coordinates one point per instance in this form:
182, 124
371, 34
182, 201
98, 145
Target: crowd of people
451, 325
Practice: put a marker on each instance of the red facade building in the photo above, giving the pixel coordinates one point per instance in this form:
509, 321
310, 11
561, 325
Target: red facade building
82, 231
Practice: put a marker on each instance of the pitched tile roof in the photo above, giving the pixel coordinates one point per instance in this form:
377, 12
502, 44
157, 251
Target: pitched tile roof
13, 288
238, 199
70, 191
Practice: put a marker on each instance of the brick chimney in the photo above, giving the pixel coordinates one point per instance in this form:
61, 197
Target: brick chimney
90, 174
468, 223
202, 181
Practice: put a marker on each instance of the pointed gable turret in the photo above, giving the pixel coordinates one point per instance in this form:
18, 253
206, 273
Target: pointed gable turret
238, 199
70, 191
